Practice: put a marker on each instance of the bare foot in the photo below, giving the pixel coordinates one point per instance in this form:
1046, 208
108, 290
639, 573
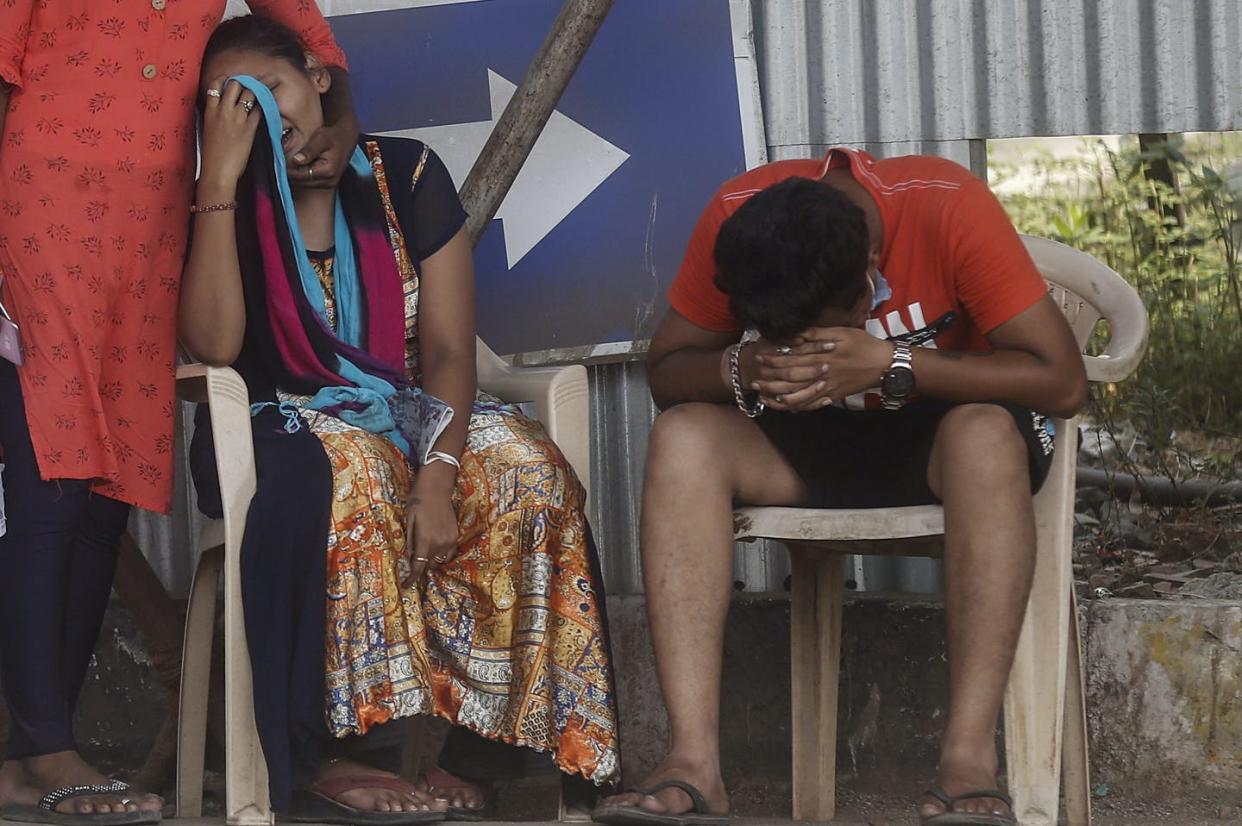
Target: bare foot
959, 777
672, 800
49, 772
459, 792
375, 798
13, 783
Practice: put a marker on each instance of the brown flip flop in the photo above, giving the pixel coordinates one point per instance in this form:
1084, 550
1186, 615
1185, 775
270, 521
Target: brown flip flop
317, 803
439, 780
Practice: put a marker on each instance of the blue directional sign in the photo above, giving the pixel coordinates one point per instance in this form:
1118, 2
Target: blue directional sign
590, 236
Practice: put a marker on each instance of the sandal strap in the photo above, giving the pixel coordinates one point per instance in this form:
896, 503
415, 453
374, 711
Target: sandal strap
54, 798
942, 796
698, 803
985, 794
438, 778
334, 787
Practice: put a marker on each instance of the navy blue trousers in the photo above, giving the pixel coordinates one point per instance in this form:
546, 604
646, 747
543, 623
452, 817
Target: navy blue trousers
57, 559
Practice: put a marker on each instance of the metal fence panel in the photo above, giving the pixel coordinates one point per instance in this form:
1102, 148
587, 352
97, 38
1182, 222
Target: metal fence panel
884, 71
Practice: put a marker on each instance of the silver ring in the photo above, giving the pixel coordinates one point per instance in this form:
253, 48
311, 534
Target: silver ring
247, 105
784, 349
310, 171
422, 559
213, 93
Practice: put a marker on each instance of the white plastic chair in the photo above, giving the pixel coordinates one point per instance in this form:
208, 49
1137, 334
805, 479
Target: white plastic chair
1045, 712
561, 398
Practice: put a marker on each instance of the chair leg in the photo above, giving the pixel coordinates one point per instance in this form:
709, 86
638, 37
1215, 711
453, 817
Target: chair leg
815, 648
247, 802
1035, 696
1075, 756
200, 629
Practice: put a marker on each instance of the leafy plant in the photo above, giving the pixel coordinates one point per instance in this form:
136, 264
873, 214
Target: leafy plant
1175, 242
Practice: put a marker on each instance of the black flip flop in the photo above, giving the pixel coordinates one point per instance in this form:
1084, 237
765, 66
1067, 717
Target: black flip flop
952, 818
318, 805
623, 815
45, 810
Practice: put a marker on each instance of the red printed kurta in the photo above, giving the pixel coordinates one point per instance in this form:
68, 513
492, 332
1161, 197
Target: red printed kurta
96, 175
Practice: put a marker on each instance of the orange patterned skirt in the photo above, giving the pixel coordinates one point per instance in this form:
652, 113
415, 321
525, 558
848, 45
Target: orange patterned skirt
507, 639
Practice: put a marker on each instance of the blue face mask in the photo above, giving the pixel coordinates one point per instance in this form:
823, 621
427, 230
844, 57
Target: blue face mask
880, 291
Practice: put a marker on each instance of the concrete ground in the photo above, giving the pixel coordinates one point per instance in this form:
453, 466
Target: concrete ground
533, 801
889, 813
1166, 718
875, 810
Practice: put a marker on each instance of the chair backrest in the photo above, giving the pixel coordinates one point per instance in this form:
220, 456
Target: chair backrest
1087, 291
487, 365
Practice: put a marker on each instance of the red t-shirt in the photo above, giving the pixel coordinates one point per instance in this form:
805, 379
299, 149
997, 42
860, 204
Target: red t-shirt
956, 266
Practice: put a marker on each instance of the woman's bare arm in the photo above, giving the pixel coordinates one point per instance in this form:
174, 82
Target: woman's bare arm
446, 351
446, 341
211, 318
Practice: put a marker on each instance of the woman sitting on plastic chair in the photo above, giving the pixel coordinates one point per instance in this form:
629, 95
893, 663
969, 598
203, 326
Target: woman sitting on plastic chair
444, 527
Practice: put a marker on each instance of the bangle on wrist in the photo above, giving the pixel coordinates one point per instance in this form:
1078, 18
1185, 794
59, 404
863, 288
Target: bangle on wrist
734, 353
223, 206
441, 456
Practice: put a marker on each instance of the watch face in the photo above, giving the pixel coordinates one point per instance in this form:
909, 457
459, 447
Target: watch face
898, 382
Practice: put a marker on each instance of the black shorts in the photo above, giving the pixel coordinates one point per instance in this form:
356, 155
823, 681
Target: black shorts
879, 458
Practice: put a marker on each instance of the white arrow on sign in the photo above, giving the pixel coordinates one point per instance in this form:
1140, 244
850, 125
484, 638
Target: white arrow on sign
567, 163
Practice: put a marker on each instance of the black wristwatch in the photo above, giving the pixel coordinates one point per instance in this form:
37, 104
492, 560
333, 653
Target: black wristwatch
897, 384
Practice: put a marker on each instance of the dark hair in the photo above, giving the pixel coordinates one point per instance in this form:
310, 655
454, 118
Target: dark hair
252, 33
791, 251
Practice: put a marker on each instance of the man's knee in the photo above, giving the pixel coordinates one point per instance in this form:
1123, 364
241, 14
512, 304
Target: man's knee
984, 433
685, 437
686, 431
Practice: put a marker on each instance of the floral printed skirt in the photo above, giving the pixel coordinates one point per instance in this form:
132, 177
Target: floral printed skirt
508, 638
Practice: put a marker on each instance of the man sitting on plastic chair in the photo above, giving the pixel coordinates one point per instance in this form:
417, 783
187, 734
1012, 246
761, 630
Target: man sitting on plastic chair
907, 353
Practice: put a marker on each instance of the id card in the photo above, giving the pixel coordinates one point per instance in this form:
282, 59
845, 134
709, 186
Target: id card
3, 526
10, 336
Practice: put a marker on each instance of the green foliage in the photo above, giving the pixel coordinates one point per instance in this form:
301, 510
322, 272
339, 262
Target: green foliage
1175, 244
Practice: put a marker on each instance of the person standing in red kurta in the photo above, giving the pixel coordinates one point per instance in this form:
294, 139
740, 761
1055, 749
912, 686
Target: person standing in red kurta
97, 104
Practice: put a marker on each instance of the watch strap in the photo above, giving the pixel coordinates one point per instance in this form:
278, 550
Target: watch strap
903, 359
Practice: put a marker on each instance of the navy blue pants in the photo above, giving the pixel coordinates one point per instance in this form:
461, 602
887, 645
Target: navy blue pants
56, 565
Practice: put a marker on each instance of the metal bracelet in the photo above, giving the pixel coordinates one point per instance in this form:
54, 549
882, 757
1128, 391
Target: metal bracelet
441, 456
735, 375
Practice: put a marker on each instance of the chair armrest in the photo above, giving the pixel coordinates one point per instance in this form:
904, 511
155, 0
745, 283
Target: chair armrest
1126, 344
561, 397
1115, 300
227, 398
192, 382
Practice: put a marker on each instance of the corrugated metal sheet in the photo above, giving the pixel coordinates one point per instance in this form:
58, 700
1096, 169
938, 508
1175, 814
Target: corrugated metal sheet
621, 418
884, 71
171, 542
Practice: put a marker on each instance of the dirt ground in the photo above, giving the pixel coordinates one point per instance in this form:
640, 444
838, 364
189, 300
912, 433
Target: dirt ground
1126, 546
875, 810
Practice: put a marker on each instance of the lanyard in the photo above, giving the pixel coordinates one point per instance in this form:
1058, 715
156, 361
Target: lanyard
4, 312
